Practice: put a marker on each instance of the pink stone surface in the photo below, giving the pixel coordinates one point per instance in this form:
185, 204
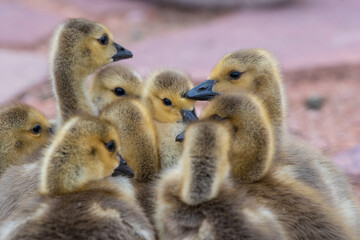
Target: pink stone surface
336, 126
19, 71
349, 161
21, 26
307, 34
101, 8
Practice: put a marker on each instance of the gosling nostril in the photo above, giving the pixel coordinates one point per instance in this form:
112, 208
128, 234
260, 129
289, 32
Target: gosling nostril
202, 89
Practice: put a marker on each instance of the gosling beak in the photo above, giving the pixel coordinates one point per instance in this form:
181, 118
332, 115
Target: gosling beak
121, 53
202, 92
123, 169
180, 137
189, 116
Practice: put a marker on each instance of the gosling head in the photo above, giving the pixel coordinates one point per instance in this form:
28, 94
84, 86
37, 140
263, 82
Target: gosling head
164, 96
113, 82
253, 141
252, 70
83, 46
204, 161
23, 130
85, 149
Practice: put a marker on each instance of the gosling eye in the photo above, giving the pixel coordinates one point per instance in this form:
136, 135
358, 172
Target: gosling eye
216, 117
36, 129
110, 146
103, 40
167, 102
119, 91
235, 75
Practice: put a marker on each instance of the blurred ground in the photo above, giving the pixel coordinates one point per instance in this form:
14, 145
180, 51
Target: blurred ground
317, 44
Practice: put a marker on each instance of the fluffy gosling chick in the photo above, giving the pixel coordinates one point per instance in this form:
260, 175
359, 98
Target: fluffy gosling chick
163, 95
78, 198
253, 134
138, 144
23, 131
301, 209
257, 71
78, 48
114, 81
197, 199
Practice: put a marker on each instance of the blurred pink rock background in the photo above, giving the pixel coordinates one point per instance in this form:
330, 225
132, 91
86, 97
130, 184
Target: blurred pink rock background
316, 42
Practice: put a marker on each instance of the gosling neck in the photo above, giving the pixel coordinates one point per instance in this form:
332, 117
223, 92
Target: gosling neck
147, 157
147, 170
272, 96
204, 167
72, 97
69, 86
274, 102
252, 151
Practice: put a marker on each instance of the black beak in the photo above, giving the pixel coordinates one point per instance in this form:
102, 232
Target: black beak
189, 116
180, 137
121, 53
123, 169
202, 92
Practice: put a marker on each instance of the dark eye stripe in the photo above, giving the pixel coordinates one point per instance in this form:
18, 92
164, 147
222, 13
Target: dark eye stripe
235, 75
103, 40
36, 129
110, 146
119, 91
216, 117
167, 102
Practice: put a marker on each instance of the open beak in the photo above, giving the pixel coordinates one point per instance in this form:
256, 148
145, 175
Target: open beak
123, 169
121, 53
180, 137
202, 92
189, 116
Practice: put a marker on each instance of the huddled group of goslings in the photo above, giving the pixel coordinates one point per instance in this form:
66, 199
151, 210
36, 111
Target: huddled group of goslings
129, 159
